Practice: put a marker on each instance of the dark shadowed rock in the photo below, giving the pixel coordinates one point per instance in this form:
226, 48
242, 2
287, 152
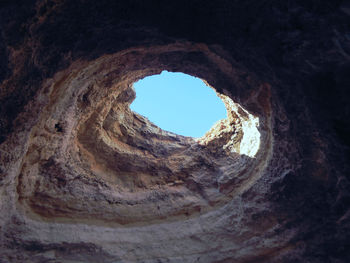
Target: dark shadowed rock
85, 179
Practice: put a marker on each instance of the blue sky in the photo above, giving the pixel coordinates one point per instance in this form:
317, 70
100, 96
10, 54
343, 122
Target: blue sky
178, 102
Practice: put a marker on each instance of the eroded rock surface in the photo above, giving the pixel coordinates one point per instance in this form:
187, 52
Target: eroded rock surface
89, 150
85, 179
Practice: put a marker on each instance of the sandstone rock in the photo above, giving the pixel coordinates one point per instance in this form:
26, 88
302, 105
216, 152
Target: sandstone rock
85, 179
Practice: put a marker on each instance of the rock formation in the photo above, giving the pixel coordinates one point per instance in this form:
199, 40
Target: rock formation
85, 179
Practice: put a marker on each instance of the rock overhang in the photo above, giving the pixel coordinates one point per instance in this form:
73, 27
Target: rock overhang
90, 150
284, 63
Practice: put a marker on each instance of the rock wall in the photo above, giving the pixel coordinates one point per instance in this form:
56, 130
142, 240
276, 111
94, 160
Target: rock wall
85, 179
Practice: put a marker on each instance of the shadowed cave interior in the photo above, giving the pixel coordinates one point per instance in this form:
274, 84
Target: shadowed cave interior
83, 178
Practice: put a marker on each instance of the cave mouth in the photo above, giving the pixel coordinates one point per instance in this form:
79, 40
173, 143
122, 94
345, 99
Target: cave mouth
178, 103
237, 131
137, 172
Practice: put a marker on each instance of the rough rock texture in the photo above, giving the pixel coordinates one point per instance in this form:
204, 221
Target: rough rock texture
84, 179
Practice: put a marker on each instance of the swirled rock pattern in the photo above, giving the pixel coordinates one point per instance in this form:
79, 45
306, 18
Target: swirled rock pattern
90, 150
85, 179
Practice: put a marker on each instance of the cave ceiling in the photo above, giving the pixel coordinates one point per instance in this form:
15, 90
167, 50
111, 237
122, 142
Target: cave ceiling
85, 179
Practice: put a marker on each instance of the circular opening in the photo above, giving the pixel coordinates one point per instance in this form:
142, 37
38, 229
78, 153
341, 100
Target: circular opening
178, 103
92, 150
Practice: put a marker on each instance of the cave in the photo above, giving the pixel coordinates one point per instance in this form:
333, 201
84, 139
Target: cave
83, 178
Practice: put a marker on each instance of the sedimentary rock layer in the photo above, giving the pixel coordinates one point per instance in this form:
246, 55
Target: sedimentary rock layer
85, 179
